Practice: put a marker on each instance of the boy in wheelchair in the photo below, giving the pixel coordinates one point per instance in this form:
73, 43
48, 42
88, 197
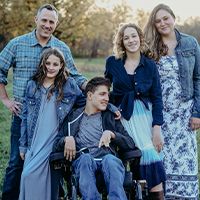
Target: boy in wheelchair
95, 128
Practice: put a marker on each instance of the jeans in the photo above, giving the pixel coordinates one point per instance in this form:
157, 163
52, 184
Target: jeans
12, 178
112, 169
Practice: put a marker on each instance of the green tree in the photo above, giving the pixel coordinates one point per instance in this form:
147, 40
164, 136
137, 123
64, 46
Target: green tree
98, 30
17, 17
141, 18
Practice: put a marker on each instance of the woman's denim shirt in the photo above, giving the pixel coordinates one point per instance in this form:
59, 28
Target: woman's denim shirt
147, 86
31, 105
188, 57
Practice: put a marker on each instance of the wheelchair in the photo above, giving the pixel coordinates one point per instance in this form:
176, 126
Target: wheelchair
134, 189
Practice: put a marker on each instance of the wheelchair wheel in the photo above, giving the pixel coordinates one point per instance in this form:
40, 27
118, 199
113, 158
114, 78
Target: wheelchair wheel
74, 193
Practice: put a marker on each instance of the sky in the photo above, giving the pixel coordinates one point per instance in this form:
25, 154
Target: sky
182, 8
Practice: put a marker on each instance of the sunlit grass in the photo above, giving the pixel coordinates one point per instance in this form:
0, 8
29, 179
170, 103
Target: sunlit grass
5, 114
100, 61
92, 70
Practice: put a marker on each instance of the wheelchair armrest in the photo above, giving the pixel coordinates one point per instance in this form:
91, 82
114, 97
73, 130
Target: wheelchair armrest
58, 159
126, 156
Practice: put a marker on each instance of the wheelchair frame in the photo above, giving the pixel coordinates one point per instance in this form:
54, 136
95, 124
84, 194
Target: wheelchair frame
135, 189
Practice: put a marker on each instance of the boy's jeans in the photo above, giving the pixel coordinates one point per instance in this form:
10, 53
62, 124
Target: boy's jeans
112, 169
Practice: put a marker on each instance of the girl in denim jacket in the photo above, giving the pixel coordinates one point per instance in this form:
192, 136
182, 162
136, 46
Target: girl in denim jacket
49, 98
178, 60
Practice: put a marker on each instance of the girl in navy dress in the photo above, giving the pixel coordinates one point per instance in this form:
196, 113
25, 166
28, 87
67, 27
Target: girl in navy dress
137, 93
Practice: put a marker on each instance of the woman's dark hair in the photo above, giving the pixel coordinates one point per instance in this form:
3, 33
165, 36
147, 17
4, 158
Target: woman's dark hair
61, 77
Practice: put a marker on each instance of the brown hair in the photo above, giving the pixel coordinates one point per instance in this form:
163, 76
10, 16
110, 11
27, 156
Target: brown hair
156, 45
95, 82
60, 78
48, 7
119, 49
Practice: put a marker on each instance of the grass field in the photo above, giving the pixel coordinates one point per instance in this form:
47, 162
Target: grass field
88, 68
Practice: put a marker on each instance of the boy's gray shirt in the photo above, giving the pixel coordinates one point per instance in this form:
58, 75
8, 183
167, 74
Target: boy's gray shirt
71, 127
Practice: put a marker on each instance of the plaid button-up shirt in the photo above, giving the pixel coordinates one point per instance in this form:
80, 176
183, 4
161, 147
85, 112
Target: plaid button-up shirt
23, 54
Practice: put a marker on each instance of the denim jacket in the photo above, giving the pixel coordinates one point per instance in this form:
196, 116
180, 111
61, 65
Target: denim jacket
72, 96
31, 105
23, 55
188, 57
147, 86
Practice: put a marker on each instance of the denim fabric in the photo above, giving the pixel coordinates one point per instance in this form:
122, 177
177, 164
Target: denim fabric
188, 57
12, 178
31, 105
23, 54
112, 169
147, 86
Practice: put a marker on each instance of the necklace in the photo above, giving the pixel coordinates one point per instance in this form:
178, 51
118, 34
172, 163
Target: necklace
131, 66
135, 64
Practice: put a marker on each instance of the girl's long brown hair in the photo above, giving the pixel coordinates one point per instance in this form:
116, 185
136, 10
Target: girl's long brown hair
61, 77
156, 45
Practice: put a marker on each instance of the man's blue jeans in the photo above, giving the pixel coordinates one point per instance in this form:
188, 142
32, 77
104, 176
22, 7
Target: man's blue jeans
112, 169
12, 178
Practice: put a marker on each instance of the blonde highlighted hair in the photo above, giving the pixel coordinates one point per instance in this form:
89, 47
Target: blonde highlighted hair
118, 49
156, 45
